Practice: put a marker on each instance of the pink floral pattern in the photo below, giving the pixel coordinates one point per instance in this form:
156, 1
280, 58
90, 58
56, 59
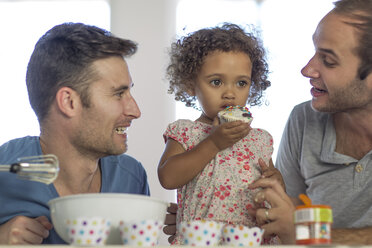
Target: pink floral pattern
220, 192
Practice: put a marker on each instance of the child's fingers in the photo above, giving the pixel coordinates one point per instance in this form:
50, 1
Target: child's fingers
216, 121
238, 135
267, 170
270, 171
227, 134
264, 167
233, 124
237, 127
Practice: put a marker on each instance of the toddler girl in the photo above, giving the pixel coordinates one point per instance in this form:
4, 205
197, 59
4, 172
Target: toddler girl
211, 164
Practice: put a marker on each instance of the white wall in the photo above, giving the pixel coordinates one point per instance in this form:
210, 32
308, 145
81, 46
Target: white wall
152, 25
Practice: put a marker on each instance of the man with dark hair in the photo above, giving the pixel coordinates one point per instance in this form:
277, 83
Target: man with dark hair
79, 86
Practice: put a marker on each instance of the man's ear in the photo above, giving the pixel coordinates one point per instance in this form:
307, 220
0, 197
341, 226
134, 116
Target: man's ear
67, 101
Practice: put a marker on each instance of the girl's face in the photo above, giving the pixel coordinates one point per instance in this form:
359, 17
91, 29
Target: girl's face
224, 80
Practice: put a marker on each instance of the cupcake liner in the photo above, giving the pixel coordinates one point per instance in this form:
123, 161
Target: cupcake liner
239, 235
235, 113
140, 233
201, 232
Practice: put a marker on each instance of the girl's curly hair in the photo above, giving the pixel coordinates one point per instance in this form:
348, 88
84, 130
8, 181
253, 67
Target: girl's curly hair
188, 53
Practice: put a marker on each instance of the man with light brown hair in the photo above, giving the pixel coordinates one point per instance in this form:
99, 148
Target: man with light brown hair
326, 148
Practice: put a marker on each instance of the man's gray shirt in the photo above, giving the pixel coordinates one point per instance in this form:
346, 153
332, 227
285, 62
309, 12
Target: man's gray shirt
309, 164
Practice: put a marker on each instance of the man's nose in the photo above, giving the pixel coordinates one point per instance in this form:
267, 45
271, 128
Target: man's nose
132, 109
309, 70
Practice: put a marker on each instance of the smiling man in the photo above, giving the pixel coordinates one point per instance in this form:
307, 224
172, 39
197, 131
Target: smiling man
326, 148
79, 86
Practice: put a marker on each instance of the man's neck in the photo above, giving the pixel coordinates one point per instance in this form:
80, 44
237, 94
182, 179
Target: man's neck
78, 173
78, 178
353, 134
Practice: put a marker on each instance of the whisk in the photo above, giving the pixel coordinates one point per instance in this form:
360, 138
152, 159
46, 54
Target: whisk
43, 168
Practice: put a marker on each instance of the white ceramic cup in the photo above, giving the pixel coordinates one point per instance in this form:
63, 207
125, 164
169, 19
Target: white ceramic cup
201, 232
240, 235
140, 233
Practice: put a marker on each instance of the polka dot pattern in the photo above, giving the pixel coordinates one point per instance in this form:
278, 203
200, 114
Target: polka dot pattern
141, 233
88, 230
211, 233
201, 233
239, 235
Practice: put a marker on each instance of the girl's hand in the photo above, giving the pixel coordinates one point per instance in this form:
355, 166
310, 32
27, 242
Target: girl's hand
271, 172
227, 134
170, 222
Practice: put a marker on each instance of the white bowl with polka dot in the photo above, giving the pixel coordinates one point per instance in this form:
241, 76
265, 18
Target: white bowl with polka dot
115, 207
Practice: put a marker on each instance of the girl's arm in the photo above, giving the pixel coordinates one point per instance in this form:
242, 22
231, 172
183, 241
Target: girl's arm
177, 167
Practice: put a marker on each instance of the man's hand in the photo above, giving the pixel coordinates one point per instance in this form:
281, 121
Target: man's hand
25, 230
278, 220
170, 222
227, 134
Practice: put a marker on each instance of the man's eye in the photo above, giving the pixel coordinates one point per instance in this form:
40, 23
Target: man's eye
216, 82
327, 61
119, 94
242, 83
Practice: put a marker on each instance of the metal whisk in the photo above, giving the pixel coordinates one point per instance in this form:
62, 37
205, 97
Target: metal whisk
43, 168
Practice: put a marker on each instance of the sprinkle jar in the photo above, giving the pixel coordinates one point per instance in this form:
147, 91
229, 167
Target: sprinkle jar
313, 224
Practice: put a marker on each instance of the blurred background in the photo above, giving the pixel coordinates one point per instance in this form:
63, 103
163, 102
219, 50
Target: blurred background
286, 27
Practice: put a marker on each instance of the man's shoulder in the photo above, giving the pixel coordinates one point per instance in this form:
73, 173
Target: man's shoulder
19, 147
21, 141
121, 158
123, 173
304, 107
123, 166
304, 112
123, 162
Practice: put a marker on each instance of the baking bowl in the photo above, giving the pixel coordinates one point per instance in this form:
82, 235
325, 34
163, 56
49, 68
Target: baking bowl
113, 206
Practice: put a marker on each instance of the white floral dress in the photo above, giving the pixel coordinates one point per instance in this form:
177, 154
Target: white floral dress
220, 191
